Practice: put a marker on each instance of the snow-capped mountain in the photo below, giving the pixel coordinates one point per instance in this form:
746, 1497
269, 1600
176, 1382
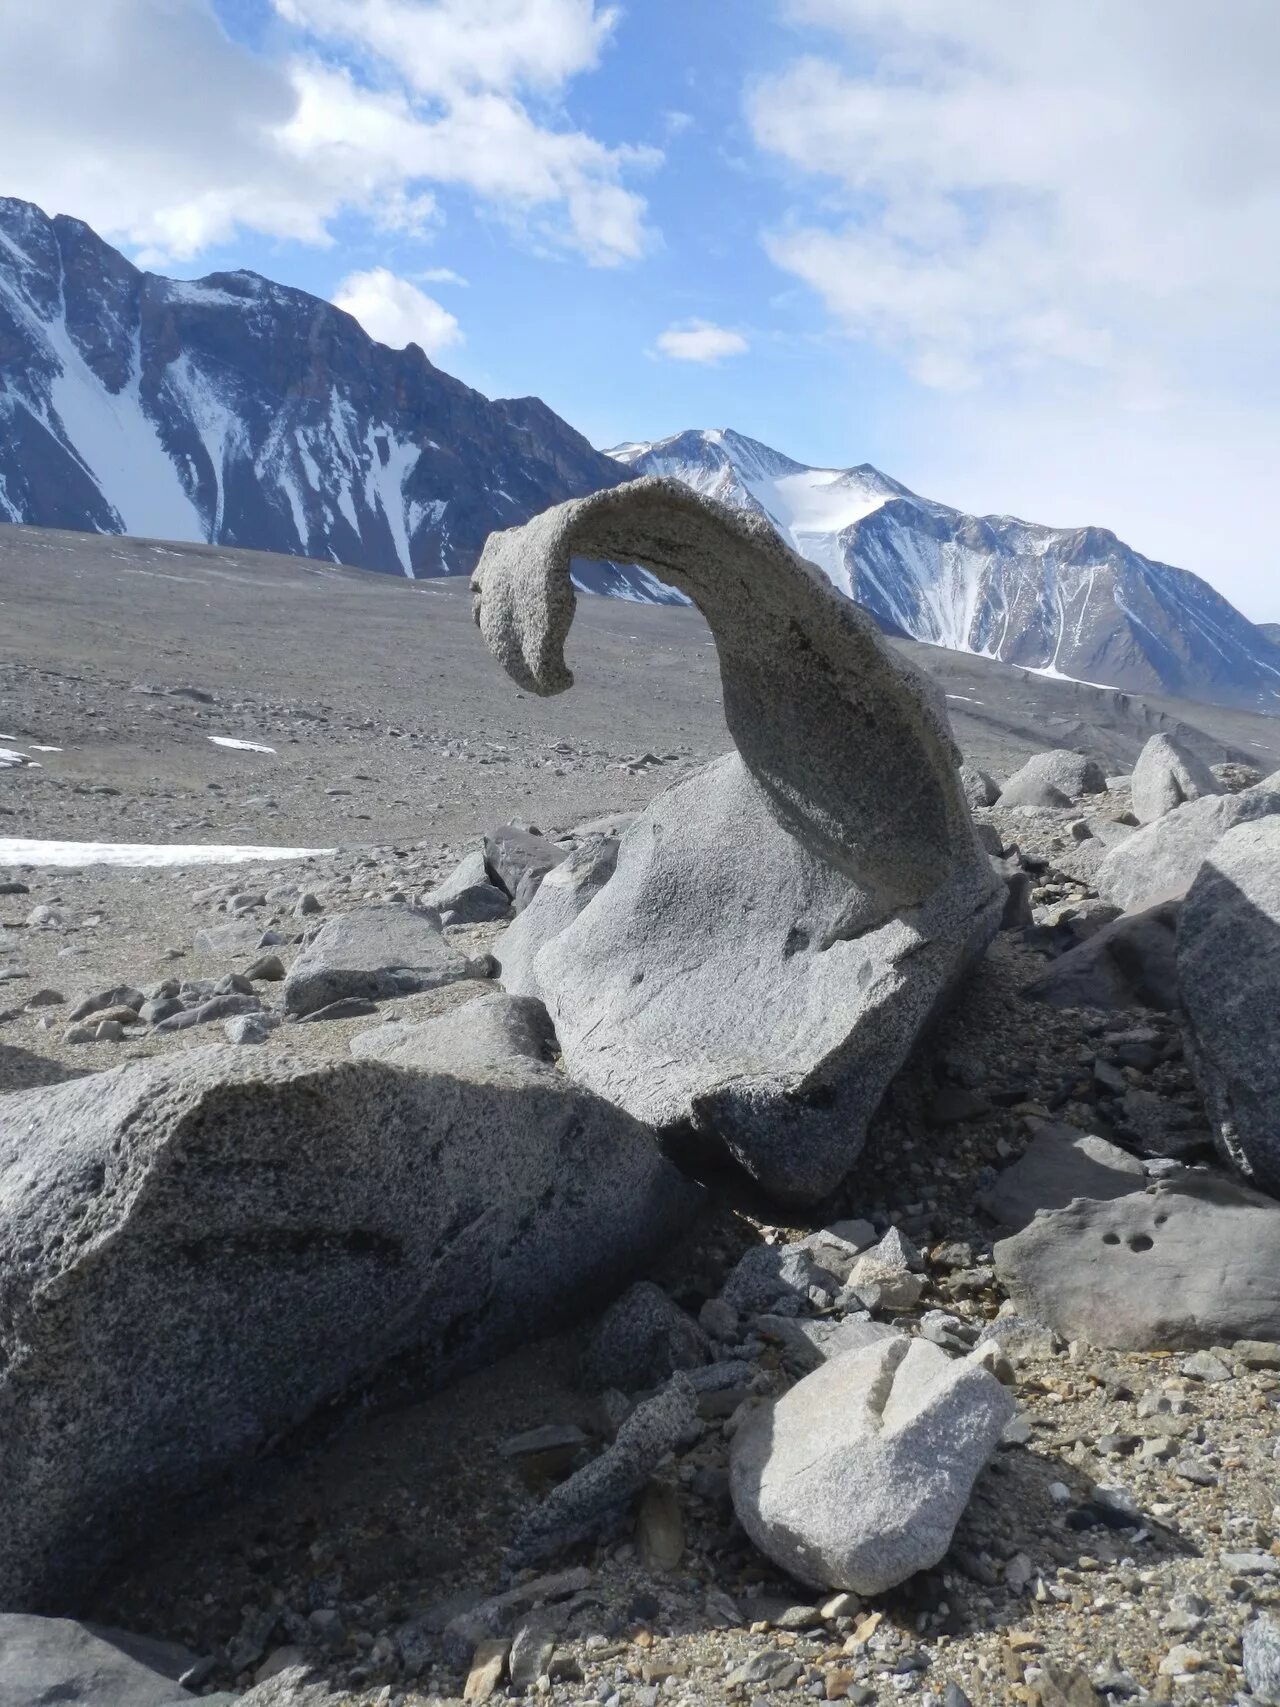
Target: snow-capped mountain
241, 412
1075, 602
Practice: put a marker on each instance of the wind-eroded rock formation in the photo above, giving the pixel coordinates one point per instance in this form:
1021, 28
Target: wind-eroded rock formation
781, 925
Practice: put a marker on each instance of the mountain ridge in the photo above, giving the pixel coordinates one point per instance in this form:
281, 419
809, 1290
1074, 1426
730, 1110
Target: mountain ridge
238, 411
1077, 602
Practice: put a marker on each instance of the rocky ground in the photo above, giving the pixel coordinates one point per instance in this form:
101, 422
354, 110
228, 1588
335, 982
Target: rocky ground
1127, 1527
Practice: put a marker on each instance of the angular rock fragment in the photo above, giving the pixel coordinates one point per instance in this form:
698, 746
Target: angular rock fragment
979, 788
56, 1660
600, 1492
1166, 774
856, 1478
375, 952
335, 1213
1229, 970
782, 924
518, 859
1188, 1262
1127, 963
1060, 1164
467, 897
1159, 862
562, 895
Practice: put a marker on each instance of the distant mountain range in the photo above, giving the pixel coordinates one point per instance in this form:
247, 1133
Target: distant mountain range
1074, 602
245, 413
238, 411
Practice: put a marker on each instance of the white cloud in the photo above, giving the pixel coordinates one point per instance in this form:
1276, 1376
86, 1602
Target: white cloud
396, 312
700, 341
441, 275
143, 118
1016, 187
1064, 220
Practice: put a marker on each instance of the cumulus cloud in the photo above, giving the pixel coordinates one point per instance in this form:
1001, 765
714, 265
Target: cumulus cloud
144, 118
396, 312
700, 341
1008, 189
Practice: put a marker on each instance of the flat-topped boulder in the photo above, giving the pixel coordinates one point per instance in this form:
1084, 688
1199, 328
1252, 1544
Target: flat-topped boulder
375, 952
781, 924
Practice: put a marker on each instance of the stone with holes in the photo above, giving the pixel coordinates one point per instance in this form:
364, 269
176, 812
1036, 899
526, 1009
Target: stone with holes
337, 1213
856, 1478
782, 924
1190, 1261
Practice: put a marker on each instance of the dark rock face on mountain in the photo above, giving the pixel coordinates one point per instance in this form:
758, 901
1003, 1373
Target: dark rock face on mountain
1075, 602
245, 413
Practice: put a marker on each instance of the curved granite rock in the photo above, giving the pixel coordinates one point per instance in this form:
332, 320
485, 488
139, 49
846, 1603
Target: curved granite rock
781, 924
848, 741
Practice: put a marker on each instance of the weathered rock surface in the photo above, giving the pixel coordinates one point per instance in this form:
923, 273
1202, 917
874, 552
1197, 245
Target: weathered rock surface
335, 1213
373, 952
856, 1478
1130, 962
1168, 773
1159, 862
1261, 1646
562, 895
781, 925
1229, 969
1053, 779
1058, 1165
55, 1660
1191, 1261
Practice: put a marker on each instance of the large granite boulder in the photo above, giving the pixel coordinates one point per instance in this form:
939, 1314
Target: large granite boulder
1159, 862
1167, 774
856, 1478
1229, 970
196, 1251
1190, 1261
781, 924
375, 952
1053, 780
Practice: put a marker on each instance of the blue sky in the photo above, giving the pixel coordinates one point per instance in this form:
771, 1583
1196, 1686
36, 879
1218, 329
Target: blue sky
1024, 259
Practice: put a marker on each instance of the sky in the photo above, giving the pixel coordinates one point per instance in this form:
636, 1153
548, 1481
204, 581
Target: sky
1023, 258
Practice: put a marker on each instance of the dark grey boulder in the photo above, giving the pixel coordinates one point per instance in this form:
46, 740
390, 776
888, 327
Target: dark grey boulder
562, 895
1229, 969
517, 859
375, 952
1058, 1165
1159, 862
335, 1213
1130, 962
467, 897
1190, 1261
1167, 774
1053, 780
979, 788
782, 924
641, 1340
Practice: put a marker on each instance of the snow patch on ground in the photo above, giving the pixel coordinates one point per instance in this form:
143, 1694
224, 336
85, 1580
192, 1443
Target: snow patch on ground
240, 746
15, 850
